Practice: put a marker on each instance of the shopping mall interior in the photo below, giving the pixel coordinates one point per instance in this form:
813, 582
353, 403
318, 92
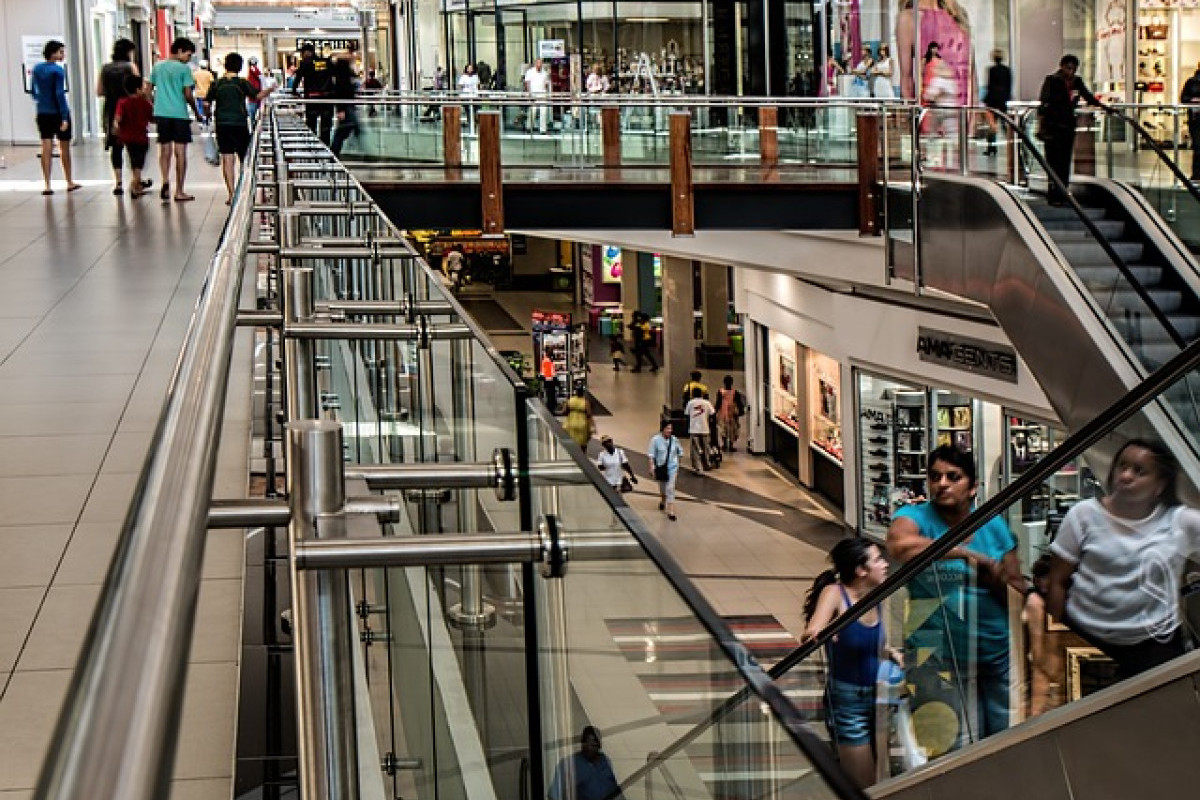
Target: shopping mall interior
698, 399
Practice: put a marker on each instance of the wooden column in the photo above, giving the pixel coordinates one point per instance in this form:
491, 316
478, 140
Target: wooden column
868, 173
490, 178
610, 135
768, 136
452, 136
683, 207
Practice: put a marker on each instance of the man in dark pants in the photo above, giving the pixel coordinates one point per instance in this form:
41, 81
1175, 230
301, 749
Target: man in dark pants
999, 92
1061, 93
315, 76
1191, 97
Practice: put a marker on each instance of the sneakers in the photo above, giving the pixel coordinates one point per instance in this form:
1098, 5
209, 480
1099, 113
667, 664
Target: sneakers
880, 453
878, 466
877, 440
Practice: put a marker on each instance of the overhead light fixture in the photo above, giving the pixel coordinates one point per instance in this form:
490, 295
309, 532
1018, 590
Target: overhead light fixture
647, 19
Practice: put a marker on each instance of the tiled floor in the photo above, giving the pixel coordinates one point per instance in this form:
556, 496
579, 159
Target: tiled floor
96, 295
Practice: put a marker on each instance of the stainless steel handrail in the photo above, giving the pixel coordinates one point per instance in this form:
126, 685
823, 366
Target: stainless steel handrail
119, 726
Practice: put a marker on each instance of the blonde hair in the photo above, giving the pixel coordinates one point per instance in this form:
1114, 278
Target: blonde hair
951, 7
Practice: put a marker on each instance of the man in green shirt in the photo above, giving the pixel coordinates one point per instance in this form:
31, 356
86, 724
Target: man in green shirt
229, 95
173, 101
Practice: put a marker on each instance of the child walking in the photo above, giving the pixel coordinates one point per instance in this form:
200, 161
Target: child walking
132, 120
616, 349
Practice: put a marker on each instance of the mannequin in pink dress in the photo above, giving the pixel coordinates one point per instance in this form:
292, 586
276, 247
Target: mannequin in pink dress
944, 22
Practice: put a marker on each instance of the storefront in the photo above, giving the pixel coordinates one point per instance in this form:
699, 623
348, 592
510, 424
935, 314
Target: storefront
1167, 54
804, 436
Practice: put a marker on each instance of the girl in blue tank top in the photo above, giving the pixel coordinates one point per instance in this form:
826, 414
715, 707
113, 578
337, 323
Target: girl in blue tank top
853, 656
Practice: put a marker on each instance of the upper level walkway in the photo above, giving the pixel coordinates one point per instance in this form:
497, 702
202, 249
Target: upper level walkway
96, 292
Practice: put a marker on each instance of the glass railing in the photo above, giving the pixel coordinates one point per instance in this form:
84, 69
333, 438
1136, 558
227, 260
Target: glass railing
566, 131
977, 638
484, 675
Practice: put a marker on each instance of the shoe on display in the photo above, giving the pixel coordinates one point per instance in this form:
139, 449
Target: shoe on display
879, 427
881, 453
877, 440
880, 465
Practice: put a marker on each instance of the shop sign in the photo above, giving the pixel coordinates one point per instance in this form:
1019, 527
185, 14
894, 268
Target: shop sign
31, 56
552, 48
967, 354
328, 44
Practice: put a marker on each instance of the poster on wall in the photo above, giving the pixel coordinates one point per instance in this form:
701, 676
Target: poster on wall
1110, 41
31, 56
611, 268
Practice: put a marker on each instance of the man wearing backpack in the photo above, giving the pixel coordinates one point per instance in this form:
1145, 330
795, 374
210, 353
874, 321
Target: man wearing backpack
731, 407
226, 103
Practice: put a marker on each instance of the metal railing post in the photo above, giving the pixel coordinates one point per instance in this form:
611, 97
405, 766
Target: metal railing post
298, 353
323, 617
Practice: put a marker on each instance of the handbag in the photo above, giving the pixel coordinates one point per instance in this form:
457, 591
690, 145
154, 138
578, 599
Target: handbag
626, 485
661, 471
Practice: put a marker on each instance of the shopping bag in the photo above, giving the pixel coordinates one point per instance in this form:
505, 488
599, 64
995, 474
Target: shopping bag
210, 145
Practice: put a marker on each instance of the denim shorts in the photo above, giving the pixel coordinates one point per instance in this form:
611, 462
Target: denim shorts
851, 711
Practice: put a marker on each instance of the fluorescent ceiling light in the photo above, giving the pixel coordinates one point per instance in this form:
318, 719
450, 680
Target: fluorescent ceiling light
647, 19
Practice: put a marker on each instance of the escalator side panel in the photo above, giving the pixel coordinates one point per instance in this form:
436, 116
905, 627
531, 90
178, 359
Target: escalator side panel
1067, 347
1136, 739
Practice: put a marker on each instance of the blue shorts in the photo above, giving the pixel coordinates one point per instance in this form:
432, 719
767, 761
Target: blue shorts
851, 710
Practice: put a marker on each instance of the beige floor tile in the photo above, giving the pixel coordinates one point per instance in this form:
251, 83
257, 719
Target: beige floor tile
88, 553
18, 610
201, 789
44, 499
28, 714
127, 453
51, 454
16, 794
225, 554
218, 621
206, 729
60, 628
31, 554
109, 501
69, 388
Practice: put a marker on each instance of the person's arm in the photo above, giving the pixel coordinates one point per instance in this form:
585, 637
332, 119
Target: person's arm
100, 84
1035, 628
905, 34
905, 542
60, 94
828, 606
1061, 571
1087, 95
626, 466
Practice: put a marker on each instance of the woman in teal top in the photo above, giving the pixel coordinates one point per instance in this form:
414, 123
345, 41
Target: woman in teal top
963, 624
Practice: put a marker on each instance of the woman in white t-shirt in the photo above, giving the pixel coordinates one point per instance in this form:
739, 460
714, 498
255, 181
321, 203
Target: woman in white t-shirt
1118, 561
612, 463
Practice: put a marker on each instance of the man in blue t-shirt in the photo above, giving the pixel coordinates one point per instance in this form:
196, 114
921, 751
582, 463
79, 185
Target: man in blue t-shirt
957, 615
173, 104
49, 84
587, 774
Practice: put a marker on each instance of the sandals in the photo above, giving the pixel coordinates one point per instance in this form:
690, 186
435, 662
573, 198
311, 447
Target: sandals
47, 192
164, 193
184, 198
118, 190
74, 187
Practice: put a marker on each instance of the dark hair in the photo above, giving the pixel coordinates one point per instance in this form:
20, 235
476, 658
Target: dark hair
929, 51
697, 391
1069, 61
954, 456
123, 50
182, 45
1041, 567
52, 47
846, 556
1164, 460
696, 375
728, 381
132, 84
664, 422
308, 47
233, 62
589, 730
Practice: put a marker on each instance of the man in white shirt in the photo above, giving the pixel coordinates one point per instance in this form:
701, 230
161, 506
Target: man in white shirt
612, 462
698, 412
537, 83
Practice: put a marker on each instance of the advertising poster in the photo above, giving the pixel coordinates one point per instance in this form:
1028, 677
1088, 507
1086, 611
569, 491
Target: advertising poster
610, 265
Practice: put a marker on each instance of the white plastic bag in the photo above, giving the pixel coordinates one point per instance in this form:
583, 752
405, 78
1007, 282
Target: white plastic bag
210, 145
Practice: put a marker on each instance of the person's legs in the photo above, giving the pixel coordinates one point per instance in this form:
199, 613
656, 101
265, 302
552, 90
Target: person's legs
326, 121
1194, 133
180, 154
1137, 658
1058, 155
47, 155
994, 693
670, 495
165, 149
115, 158
64, 154
227, 171
696, 451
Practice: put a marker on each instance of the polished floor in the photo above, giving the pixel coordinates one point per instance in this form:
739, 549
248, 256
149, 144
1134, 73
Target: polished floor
95, 295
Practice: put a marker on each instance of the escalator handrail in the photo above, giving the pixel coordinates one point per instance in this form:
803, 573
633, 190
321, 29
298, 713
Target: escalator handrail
1124, 408
1039, 473
1094, 229
1158, 149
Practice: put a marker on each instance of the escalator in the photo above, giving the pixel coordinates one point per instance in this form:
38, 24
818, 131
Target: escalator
1094, 295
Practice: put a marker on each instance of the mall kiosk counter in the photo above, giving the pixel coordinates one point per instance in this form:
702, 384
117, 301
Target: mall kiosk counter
560, 353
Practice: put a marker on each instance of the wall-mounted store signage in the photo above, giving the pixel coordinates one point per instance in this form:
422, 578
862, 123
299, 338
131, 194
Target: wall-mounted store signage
328, 44
611, 266
967, 354
552, 48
